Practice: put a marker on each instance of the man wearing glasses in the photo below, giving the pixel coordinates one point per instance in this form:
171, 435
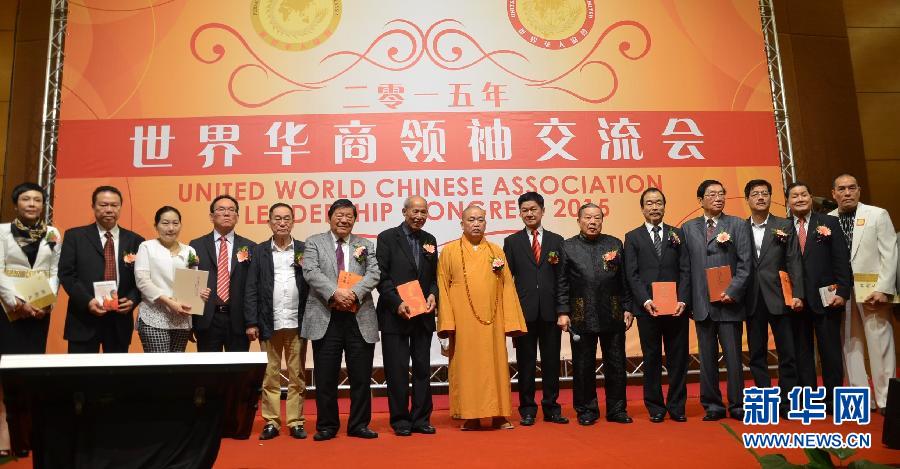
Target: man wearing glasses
226, 256
716, 240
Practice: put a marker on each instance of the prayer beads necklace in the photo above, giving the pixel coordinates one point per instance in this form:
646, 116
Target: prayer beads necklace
462, 252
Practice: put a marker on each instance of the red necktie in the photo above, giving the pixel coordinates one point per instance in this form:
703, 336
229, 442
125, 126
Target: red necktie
109, 258
801, 233
536, 247
223, 279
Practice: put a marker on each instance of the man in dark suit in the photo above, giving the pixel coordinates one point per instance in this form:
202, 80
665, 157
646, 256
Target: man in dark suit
407, 253
101, 251
273, 309
714, 240
654, 253
226, 256
340, 320
826, 262
533, 254
774, 250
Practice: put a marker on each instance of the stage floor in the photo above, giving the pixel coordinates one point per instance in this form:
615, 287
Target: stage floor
642, 444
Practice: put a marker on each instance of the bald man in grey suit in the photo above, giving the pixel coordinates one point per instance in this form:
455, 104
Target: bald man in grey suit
713, 240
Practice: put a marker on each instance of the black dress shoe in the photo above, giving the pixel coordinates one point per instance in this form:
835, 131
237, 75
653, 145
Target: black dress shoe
424, 429
657, 418
363, 432
298, 432
556, 419
737, 414
22, 453
713, 416
402, 431
268, 432
621, 417
587, 419
679, 418
323, 435
527, 420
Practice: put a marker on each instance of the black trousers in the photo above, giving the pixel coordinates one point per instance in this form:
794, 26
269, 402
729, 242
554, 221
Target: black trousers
342, 337
711, 334
548, 336
24, 335
106, 336
826, 330
758, 344
584, 383
671, 333
398, 349
219, 336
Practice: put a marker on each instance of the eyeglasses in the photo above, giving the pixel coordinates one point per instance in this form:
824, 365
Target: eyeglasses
714, 195
756, 194
223, 210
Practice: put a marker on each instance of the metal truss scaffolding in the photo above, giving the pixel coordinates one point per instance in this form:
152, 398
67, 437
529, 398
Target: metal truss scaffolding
52, 89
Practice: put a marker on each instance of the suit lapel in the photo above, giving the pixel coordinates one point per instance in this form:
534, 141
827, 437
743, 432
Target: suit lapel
526, 242
93, 236
210, 244
648, 240
767, 239
403, 243
810, 229
328, 244
862, 213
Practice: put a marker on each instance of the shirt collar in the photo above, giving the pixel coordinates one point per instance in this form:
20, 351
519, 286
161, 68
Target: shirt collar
114, 231
715, 219
406, 230
229, 236
334, 238
530, 232
760, 225
650, 227
290, 246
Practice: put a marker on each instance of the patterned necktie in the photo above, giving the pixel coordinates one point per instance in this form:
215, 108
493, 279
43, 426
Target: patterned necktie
657, 241
847, 220
223, 280
109, 258
801, 233
339, 254
710, 229
536, 246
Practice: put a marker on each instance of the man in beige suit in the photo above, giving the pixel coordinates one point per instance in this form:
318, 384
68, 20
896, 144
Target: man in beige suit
873, 250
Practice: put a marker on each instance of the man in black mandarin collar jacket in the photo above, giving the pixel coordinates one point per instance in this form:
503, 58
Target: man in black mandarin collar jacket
407, 253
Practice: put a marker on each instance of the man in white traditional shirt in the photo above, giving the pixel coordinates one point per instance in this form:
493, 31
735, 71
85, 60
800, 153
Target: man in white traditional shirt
273, 303
867, 323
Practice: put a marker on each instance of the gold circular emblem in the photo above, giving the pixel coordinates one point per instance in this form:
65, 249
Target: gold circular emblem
552, 24
295, 24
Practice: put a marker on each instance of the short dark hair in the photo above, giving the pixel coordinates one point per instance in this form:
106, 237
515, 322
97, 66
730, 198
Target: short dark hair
834, 181
652, 189
587, 206
212, 205
756, 182
531, 196
341, 203
165, 209
701, 189
25, 187
279, 205
787, 190
100, 189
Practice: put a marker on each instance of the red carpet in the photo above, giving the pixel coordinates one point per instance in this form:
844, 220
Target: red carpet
695, 444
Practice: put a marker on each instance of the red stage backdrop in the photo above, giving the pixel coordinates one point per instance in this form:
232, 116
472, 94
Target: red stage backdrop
469, 101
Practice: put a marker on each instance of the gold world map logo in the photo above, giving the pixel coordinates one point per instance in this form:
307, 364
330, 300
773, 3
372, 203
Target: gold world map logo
551, 24
295, 25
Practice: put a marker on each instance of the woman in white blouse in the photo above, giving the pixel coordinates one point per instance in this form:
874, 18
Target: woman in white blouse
163, 323
28, 249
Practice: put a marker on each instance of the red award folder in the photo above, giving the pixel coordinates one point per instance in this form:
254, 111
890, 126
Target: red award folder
411, 293
665, 297
717, 280
348, 280
787, 289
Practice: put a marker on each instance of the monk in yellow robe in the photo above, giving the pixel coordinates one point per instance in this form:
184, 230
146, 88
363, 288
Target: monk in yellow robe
478, 308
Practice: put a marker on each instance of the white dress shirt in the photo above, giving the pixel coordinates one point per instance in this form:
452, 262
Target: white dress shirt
116, 245
758, 232
650, 227
230, 244
805, 219
540, 232
285, 295
154, 271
